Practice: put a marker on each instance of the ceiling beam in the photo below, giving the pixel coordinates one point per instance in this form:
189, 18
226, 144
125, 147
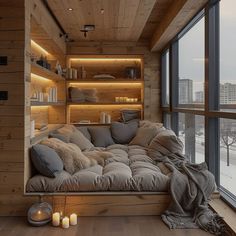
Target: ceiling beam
177, 16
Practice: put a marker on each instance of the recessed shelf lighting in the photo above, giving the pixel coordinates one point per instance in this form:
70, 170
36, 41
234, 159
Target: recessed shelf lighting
39, 48
70, 9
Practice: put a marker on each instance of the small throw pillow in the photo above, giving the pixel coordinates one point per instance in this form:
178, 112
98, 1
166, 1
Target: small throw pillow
123, 133
128, 115
167, 142
76, 137
70, 154
45, 160
144, 136
101, 136
85, 132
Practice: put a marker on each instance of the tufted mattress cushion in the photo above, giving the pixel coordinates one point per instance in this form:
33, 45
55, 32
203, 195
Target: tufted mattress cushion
130, 169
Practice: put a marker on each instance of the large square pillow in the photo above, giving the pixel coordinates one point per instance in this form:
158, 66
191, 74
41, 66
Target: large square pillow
45, 160
85, 132
123, 133
75, 136
145, 134
101, 136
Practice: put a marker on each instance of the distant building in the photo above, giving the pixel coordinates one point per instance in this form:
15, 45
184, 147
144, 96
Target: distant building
185, 91
227, 93
199, 97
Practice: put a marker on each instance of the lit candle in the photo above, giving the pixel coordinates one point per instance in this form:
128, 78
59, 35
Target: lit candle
73, 219
136, 100
65, 222
56, 219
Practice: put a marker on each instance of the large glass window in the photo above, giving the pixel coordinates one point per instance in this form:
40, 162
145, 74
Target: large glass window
192, 134
228, 154
227, 55
191, 67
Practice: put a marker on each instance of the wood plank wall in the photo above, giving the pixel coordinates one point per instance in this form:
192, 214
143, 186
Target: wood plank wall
15, 112
151, 68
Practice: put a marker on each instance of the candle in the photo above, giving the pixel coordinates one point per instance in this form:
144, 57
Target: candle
117, 99
56, 219
73, 219
136, 100
65, 223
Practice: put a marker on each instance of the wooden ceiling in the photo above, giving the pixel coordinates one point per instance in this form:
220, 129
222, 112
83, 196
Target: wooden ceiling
122, 20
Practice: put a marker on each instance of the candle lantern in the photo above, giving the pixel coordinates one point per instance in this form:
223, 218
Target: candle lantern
40, 214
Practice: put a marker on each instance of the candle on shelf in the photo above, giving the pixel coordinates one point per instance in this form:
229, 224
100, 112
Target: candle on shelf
117, 99
136, 100
65, 222
73, 219
125, 99
56, 219
132, 99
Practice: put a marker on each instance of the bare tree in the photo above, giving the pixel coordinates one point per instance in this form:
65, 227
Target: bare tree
228, 138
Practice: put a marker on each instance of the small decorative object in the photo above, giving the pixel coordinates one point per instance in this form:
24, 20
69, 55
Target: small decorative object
56, 217
131, 72
73, 219
65, 223
117, 99
136, 100
58, 68
40, 214
108, 119
102, 117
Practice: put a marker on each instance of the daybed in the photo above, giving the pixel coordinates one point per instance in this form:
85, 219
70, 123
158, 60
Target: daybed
125, 167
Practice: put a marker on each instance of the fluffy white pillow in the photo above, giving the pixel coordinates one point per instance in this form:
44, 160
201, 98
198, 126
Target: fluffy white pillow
76, 137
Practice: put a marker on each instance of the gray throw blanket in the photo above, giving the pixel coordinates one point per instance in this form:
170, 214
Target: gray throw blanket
190, 187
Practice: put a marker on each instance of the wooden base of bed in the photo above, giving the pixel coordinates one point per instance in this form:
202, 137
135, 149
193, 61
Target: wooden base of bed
111, 205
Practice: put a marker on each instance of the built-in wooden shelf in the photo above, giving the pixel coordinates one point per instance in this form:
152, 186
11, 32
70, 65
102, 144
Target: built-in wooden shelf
105, 81
39, 135
105, 103
59, 103
43, 72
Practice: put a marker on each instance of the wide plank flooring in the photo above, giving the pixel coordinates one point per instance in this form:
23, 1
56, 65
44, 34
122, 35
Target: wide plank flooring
97, 226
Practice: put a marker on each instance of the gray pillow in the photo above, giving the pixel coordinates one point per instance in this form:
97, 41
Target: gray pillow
123, 133
46, 161
85, 132
101, 136
128, 115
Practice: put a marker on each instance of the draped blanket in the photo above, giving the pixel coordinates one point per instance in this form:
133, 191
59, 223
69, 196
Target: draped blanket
190, 187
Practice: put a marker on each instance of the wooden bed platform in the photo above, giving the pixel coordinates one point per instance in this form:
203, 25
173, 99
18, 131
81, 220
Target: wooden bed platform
109, 203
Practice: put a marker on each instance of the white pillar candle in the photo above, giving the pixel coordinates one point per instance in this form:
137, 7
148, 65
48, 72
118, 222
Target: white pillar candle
73, 219
65, 223
56, 219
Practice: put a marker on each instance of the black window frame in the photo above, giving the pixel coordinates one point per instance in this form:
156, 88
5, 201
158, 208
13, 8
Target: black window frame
211, 112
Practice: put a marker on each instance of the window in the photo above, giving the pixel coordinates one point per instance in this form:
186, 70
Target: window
165, 79
191, 66
227, 55
192, 134
228, 154
167, 120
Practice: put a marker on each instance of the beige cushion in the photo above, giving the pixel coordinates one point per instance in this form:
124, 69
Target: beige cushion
70, 154
76, 137
164, 143
144, 135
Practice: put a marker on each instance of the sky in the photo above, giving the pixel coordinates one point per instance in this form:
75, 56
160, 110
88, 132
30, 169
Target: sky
191, 48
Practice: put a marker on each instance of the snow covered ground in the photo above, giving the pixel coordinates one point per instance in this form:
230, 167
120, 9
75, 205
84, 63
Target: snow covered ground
227, 173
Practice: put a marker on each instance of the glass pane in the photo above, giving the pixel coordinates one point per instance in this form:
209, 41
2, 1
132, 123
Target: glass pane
191, 67
227, 55
166, 79
167, 120
192, 134
228, 154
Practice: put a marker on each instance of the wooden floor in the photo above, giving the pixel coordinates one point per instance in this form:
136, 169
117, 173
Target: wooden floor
97, 226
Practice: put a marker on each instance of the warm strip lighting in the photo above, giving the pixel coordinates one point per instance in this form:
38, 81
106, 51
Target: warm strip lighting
38, 47
106, 106
39, 77
109, 85
105, 59
36, 107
